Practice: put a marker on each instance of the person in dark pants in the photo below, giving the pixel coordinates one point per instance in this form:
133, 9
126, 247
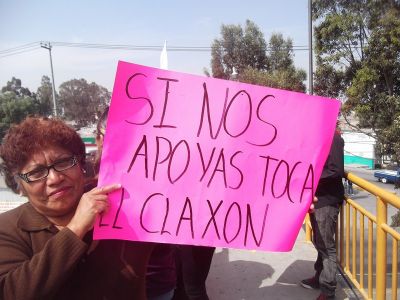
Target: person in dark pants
350, 190
193, 264
330, 194
161, 273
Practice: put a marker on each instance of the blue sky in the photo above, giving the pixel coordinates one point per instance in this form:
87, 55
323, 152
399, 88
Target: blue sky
140, 23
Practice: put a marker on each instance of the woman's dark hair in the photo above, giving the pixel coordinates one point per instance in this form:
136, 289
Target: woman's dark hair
32, 135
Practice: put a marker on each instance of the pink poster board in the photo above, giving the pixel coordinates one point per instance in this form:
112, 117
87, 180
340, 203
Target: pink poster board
205, 161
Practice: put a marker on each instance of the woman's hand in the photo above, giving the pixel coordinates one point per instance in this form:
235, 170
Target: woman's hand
92, 203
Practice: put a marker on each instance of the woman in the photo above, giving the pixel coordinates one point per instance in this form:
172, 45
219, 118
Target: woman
46, 250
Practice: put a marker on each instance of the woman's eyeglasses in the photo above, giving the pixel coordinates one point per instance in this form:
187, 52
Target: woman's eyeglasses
43, 171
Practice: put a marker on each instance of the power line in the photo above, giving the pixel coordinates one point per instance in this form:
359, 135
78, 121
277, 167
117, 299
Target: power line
131, 47
148, 47
20, 52
30, 45
36, 45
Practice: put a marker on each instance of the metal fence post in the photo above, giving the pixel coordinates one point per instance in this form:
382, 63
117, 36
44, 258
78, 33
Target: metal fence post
381, 243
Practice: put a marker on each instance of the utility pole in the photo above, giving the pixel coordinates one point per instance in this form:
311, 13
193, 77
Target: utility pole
48, 47
310, 50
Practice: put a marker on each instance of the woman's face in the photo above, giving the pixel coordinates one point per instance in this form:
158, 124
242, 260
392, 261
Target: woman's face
58, 194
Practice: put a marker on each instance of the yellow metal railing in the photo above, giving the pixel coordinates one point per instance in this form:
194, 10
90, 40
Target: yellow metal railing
351, 255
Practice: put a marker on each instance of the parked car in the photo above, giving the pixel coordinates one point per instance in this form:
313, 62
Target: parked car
386, 176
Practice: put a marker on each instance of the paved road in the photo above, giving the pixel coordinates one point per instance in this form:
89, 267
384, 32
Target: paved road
367, 200
368, 174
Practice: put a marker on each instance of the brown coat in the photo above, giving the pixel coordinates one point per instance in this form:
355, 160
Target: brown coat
37, 261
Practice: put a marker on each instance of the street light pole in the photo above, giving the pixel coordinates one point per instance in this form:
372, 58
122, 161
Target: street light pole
310, 50
48, 47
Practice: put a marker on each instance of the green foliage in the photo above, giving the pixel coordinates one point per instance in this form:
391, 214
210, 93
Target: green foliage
358, 60
44, 96
246, 51
16, 103
284, 79
15, 86
328, 81
238, 48
82, 102
281, 53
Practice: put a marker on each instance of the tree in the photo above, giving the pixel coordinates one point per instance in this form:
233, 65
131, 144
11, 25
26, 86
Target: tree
82, 102
15, 86
246, 51
290, 79
16, 103
281, 53
238, 48
44, 96
358, 60
328, 80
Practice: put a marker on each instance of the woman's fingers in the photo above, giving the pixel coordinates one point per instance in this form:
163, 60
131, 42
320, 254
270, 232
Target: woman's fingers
101, 204
100, 197
104, 190
91, 204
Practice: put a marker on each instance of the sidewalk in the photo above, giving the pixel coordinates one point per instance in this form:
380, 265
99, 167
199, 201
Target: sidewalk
9, 200
255, 275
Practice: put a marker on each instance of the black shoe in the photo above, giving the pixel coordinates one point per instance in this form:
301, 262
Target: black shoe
310, 283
